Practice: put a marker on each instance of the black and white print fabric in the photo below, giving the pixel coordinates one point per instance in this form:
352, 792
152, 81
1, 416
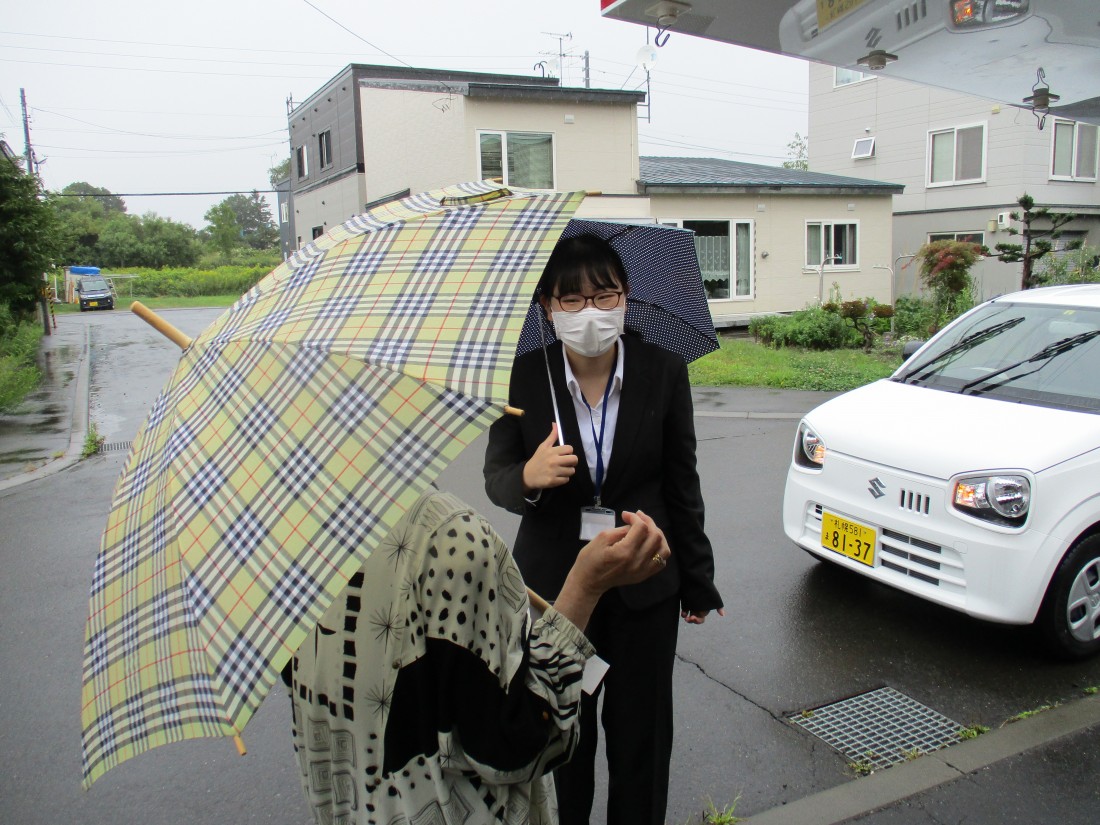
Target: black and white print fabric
426, 694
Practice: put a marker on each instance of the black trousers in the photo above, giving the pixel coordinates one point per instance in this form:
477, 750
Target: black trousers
640, 647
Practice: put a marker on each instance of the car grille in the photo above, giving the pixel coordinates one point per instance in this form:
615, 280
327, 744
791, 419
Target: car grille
910, 556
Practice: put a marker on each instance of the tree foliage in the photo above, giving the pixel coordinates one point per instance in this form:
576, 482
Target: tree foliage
798, 153
224, 231
28, 238
945, 272
145, 241
279, 172
1038, 242
257, 229
84, 193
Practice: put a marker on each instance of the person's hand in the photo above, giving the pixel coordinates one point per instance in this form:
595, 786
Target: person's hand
620, 556
698, 616
550, 466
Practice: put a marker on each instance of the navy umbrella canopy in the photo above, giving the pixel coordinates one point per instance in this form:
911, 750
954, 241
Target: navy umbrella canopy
667, 304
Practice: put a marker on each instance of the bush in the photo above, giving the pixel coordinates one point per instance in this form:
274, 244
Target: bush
1077, 266
812, 328
18, 349
186, 283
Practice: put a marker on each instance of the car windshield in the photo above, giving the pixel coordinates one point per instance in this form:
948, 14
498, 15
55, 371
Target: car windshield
1025, 353
93, 285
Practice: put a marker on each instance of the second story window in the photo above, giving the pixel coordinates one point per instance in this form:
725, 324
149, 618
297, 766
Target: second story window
956, 155
834, 244
843, 77
324, 148
517, 158
301, 161
1073, 150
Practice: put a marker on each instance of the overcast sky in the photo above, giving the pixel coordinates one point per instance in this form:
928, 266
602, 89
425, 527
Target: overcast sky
142, 97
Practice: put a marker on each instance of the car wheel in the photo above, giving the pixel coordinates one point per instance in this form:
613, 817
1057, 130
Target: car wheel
1070, 616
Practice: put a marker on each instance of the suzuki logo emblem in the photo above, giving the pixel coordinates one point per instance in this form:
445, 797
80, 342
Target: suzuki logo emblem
876, 488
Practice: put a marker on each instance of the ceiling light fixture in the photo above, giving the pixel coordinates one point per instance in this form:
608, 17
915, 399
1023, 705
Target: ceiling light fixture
876, 60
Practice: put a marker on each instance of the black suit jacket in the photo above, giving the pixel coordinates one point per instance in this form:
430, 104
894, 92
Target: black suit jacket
652, 468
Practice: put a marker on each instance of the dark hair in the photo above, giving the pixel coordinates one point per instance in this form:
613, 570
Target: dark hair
579, 259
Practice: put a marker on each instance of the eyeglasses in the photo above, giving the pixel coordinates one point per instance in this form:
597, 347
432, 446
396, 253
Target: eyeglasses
601, 300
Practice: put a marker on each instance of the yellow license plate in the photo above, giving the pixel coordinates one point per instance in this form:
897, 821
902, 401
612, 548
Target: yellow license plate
829, 11
93, 303
849, 538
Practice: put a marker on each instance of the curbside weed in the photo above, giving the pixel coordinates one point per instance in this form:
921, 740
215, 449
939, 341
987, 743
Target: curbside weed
725, 816
92, 442
972, 731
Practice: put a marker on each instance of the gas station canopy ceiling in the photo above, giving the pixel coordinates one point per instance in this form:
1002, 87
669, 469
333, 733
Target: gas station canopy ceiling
1036, 54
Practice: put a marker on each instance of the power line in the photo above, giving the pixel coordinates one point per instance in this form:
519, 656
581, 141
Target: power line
156, 194
355, 35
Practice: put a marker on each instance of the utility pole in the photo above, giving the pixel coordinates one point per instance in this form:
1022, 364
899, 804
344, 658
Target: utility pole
28, 153
32, 169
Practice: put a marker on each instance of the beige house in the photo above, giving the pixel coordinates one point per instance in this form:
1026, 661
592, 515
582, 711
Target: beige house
769, 239
963, 162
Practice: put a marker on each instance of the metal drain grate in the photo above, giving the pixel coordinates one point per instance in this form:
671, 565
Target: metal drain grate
115, 446
880, 728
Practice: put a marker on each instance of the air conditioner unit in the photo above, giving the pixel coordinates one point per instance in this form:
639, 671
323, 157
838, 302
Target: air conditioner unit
1004, 220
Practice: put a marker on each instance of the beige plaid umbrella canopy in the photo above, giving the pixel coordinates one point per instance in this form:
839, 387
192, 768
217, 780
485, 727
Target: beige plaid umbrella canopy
292, 436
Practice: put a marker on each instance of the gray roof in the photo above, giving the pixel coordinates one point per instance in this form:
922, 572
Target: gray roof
715, 175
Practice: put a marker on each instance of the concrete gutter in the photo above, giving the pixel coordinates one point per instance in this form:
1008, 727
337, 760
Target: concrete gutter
885, 787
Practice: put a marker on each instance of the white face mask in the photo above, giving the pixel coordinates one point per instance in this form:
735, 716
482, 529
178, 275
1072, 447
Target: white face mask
591, 331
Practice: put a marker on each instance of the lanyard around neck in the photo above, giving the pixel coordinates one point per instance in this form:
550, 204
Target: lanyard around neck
599, 440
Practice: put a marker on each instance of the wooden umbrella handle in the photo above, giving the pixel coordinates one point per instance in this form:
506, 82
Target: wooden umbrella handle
180, 339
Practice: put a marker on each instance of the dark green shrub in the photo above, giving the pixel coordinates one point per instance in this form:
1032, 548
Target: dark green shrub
18, 349
812, 328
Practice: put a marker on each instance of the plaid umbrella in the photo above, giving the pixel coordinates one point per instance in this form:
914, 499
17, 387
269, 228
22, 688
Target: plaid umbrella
667, 304
292, 436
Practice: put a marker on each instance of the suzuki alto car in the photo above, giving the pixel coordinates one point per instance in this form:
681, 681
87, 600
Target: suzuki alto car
971, 476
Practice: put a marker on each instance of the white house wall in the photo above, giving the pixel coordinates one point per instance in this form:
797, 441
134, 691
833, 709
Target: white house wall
595, 145
899, 116
781, 280
414, 140
326, 206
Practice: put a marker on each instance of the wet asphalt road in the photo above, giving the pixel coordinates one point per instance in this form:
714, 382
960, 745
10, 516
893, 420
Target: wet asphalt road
797, 635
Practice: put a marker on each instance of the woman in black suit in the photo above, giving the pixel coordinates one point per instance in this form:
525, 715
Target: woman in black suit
625, 412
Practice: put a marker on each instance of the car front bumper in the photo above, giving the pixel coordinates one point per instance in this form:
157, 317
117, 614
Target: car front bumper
922, 545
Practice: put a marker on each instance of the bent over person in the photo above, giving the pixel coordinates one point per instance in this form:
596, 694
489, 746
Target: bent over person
427, 694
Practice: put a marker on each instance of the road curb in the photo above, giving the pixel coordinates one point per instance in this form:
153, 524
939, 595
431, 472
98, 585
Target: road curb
882, 788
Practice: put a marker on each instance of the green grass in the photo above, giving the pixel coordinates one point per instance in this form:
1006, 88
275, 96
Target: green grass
740, 362
743, 363
122, 303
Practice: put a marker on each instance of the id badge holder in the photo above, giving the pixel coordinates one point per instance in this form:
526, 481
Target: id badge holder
595, 520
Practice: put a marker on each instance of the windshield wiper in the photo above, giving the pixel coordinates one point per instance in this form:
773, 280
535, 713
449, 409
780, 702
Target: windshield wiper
1042, 357
970, 341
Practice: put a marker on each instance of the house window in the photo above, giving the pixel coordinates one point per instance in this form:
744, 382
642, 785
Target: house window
318, 231
962, 237
301, 161
863, 148
845, 77
284, 213
518, 158
956, 155
724, 249
1073, 150
836, 241
324, 148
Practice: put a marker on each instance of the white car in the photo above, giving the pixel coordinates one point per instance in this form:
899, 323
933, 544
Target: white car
971, 476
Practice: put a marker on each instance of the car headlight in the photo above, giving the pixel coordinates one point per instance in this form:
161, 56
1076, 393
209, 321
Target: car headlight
810, 450
1003, 499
